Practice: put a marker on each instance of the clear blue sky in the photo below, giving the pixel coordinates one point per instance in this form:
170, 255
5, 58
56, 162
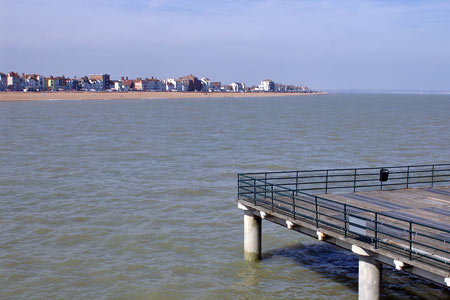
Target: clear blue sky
345, 44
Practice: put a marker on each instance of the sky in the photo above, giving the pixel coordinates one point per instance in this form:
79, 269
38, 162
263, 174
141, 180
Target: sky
323, 44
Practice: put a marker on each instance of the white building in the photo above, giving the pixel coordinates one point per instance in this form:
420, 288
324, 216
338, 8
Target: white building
267, 86
30, 83
13, 81
118, 86
238, 87
206, 83
173, 85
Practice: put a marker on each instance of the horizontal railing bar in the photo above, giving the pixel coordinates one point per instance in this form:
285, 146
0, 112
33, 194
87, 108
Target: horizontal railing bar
352, 174
360, 175
345, 169
431, 247
267, 183
433, 237
353, 181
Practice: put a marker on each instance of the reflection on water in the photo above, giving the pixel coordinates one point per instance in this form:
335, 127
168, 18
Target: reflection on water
137, 199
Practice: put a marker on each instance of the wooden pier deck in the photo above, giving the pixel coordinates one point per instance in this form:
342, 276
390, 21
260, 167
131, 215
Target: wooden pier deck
403, 221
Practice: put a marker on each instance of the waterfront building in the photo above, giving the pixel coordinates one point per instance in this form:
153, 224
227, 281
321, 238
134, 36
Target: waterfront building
280, 87
145, 84
103, 78
85, 84
175, 85
267, 86
46, 79
3, 81
184, 86
52, 84
96, 85
253, 88
215, 86
238, 87
61, 83
72, 84
33, 82
30, 82
13, 82
191, 82
40, 82
206, 84
139, 85
171, 85
153, 84
116, 85
305, 89
127, 85
226, 88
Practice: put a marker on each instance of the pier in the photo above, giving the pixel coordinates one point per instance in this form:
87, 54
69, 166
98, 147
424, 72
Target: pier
397, 216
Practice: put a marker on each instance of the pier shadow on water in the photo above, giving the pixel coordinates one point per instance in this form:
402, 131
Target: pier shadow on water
341, 266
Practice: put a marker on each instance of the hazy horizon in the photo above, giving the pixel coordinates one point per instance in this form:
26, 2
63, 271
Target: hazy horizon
363, 45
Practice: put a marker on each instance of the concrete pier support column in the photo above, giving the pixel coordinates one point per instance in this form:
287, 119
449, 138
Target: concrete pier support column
369, 285
252, 236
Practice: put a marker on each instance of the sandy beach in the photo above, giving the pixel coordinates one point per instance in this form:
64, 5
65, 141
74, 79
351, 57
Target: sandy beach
36, 96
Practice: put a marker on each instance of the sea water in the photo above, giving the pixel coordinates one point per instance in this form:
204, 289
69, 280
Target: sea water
136, 199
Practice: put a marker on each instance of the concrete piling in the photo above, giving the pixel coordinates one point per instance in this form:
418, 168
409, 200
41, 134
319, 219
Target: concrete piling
252, 236
369, 284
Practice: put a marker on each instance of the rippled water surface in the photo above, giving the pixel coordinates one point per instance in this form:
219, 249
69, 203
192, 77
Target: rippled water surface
137, 199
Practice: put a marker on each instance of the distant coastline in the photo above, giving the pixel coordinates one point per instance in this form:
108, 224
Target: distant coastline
37, 96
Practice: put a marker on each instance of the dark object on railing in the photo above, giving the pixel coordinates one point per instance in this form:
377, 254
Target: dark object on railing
384, 174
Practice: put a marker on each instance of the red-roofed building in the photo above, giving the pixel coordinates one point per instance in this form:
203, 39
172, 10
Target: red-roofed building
13, 82
216, 86
30, 82
192, 82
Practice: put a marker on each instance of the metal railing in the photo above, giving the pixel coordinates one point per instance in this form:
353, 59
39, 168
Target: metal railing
298, 194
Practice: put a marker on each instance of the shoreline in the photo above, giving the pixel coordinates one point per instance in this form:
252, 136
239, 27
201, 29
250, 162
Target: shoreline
135, 95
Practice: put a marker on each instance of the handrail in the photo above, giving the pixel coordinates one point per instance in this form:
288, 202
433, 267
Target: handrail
292, 196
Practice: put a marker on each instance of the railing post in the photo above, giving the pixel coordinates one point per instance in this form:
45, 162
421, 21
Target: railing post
432, 176
345, 220
410, 239
326, 183
254, 191
293, 203
354, 182
407, 178
376, 230
239, 184
272, 197
296, 183
317, 212
265, 185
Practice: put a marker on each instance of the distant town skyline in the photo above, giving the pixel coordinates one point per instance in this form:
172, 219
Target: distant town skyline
324, 44
16, 82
